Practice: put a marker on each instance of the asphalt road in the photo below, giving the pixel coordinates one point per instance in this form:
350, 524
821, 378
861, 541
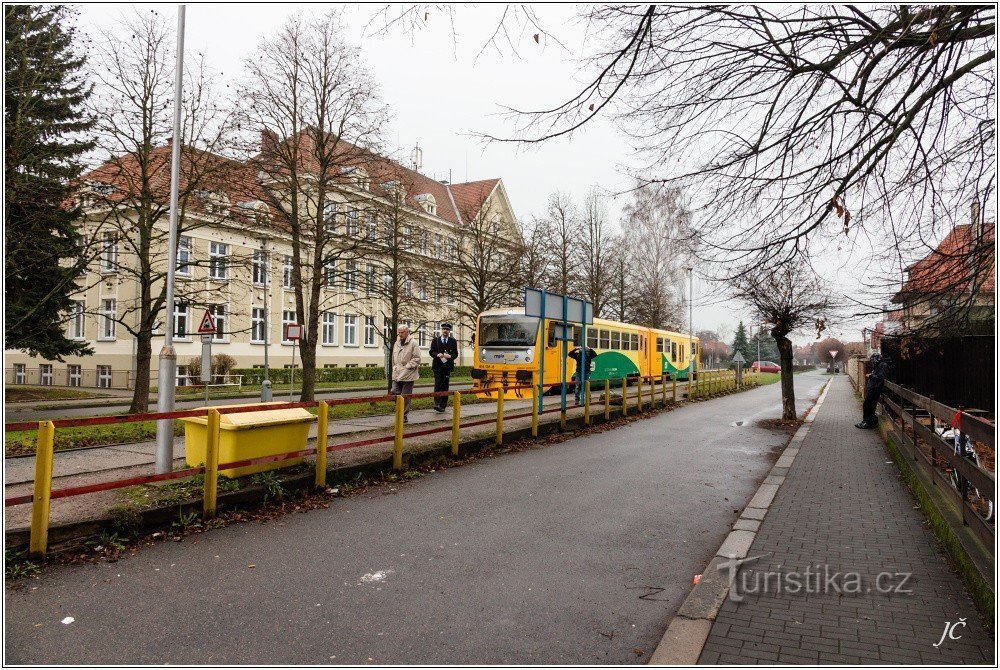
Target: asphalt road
576, 552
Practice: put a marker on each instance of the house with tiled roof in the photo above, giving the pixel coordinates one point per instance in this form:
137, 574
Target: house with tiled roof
235, 261
953, 284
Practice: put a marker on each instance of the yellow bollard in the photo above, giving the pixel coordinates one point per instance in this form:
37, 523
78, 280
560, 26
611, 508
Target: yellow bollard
322, 422
652, 391
607, 399
624, 396
42, 490
211, 495
562, 413
663, 389
456, 420
639, 392
675, 387
534, 411
397, 447
499, 417
586, 403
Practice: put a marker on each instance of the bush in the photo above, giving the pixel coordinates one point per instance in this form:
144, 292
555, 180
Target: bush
222, 365
327, 375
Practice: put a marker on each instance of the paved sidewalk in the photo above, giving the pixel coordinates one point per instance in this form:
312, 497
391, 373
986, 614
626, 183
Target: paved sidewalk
843, 508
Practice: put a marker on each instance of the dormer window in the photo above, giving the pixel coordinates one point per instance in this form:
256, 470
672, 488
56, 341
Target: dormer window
214, 202
358, 176
428, 203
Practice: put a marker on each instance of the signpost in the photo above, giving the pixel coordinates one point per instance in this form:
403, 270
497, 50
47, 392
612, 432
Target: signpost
557, 307
833, 355
207, 331
293, 332
739, 360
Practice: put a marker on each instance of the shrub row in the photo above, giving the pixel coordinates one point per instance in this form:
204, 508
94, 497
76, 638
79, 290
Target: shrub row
324, 375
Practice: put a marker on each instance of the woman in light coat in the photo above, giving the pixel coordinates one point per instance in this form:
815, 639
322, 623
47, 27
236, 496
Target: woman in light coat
405, 367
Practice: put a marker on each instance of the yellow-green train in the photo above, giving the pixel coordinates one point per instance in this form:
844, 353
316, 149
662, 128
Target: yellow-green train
509, 349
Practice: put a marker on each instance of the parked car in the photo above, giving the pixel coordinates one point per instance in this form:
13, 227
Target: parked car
766, 366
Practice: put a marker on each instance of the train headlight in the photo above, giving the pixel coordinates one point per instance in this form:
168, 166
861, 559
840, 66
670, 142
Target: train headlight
482, 353
527, 358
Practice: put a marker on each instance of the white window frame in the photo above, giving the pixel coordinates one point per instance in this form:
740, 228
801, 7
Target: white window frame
371, 332
351, 276
220, 319
285, 321
218, 261
330, 274
329, 329
184, 256
109, 252
104, 376
74, 375
371, 277
286, 272
371, 227
352, 223
259, 275
46, 374
182, 376
78, 320
182, 314
330, 212
109, 308
257, 325
350, 330
20, 373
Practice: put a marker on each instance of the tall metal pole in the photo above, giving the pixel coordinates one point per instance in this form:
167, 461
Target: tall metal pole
690, 271
265, 386
168, 357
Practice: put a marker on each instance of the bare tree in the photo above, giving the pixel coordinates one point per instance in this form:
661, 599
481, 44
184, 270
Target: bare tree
621, 289
801, 122
595, 274
657, 224
126, 198
562, 240
787, 298
320, 117
534, 261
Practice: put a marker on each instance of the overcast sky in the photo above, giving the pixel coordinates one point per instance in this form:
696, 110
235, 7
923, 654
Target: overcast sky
444, 89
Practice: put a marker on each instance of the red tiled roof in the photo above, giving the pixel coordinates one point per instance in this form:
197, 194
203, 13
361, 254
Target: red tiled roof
470, 196
947, 269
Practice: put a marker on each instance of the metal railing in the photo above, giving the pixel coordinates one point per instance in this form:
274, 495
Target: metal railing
917, 425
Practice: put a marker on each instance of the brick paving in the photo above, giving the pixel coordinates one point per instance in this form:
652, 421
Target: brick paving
844, 506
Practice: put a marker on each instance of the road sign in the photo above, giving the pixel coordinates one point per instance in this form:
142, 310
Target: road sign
207, 324
557, 307
293, 331
738, 358
834, 352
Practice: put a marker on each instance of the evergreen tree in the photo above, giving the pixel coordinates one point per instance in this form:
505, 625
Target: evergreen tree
44, 138
742, 344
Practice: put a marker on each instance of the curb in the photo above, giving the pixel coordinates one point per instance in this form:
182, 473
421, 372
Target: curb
688, 631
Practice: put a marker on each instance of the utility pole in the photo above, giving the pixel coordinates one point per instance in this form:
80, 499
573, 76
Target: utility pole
168, 357
265, 386
690, 271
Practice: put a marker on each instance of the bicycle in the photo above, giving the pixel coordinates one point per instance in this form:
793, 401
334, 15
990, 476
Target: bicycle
982, 505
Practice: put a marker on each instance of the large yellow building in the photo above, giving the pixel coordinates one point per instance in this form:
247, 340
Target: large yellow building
235, 260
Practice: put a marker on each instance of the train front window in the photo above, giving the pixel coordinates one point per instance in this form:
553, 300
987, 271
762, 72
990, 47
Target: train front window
507, 331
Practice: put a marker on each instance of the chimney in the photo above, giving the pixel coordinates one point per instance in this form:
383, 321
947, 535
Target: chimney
976, 222
268, 142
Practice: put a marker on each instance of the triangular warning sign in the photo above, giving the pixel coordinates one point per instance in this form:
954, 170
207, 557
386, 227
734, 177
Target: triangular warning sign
207, 323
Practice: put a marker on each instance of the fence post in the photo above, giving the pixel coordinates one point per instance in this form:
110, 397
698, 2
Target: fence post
624, 396
639, 391
211, 464
562, 410
534, 411
456, 421
397, 447
607, 399
500, 393
586, 403
322, 422
42, 489
663, 389
674, 376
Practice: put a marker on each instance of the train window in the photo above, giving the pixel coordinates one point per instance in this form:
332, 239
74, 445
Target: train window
605, 339
673, 352
682, 353
666, 345
616, 339
592, 338
659, 344
635, 341
551, 339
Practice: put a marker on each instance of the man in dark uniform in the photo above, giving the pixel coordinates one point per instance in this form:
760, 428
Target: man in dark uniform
873, 390
576, 354
444, 351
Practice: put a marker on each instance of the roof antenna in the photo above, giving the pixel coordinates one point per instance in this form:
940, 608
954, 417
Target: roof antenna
417, 157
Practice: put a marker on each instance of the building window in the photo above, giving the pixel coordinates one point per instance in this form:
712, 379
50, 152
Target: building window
453, 250
370, 279
371, 227
219, 315
77, 325
184, 255
182, 375
351, 365
330, 211
20, 373
286, 272
370, 331
259, 268
423, 290
329, 366
437, 247
407, 287
45, 374
350, 330
329, 328
351, 277
181, 319
371, 365
407, 237
257, 325
109, 252
422, 336
74, 375
104, 376
330, 272
287, 319
218, 260
352, 223
451, 294
108, 319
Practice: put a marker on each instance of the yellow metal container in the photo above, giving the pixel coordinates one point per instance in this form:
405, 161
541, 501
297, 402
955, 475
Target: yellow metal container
249, 435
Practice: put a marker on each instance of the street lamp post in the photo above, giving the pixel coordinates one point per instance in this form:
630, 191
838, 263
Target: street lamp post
690, 271
265, 386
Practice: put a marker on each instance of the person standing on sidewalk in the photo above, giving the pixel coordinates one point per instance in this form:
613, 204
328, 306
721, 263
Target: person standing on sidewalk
582, 356
405, 367
444, 351
873, 390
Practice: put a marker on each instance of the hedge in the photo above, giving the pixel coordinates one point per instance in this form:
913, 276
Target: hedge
323, 375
